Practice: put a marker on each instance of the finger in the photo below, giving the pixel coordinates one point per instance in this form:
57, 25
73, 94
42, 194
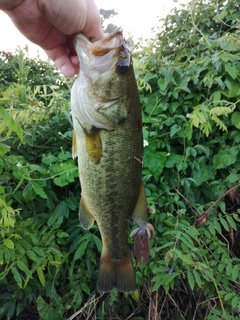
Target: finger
68, 65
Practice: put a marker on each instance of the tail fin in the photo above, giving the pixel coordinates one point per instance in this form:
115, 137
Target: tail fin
116, 273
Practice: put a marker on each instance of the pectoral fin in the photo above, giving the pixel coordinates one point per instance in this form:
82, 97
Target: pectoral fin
85, 217
93, 144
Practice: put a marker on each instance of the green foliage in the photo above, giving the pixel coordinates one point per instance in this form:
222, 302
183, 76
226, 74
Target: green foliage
189, 89
188, 79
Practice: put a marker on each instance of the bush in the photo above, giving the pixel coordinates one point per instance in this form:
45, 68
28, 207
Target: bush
190, 96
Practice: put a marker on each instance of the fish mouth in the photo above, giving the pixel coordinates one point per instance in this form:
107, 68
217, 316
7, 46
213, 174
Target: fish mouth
111, 42
101, 55
101, 47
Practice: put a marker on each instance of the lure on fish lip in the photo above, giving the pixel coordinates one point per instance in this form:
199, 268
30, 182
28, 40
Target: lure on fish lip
108, 142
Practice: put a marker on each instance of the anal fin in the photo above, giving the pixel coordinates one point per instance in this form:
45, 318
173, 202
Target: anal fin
85, 217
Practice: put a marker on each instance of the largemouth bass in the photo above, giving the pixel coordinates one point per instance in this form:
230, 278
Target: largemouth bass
108, 141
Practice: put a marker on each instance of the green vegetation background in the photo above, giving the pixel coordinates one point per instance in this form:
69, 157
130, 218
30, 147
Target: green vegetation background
188, 78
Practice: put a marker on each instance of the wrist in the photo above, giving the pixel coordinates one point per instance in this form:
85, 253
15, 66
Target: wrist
7, 5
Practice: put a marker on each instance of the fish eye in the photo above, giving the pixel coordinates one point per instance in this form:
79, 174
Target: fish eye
122, 67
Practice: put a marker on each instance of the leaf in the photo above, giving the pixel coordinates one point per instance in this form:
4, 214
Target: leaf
219, 123
11, 309
32, 256
233, 88
188, 131
168, 244
187, 240
24, 268
173, 160
185, 258
235, 272
28, 193
198, 279
212, 230
81, 250
38, 188
135, 295
231, 70
174, 129
158, 282
85, 288
8, 243
4, 149
17, 276
163, 83
216, 97
46, 311
228, 296
235, 119
41, 275
169, 278
203, 174
231, 222
235, 302
220, 111
39, 251
66, 171
11, 124
224, 224
222, 206
98, 243
183, 84
225, 158
193, 232
229, 270
217, 226
149, 75
49, 159
35, 167
154, 161
191, 280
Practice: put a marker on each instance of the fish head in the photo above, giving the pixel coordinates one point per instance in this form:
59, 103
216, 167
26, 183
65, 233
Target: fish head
106, 61
105, 77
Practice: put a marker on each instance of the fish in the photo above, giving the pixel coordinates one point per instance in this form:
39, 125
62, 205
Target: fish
108, 142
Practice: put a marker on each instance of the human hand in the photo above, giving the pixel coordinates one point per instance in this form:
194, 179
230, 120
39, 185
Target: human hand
51, 24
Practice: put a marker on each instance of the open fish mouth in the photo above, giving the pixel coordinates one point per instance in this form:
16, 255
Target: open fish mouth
110, 42
99, 55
